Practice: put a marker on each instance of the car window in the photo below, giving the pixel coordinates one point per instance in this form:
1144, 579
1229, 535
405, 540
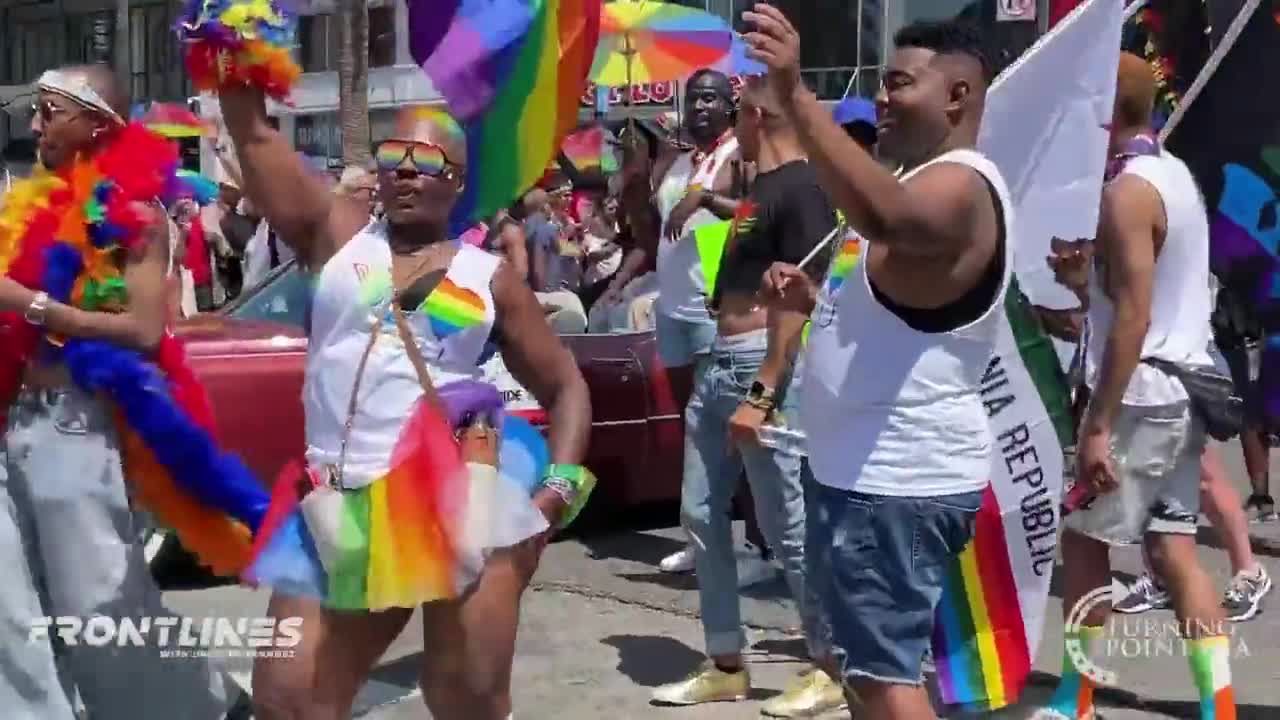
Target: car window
284, 296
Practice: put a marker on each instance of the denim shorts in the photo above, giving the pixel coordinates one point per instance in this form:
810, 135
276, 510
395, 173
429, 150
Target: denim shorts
877, 564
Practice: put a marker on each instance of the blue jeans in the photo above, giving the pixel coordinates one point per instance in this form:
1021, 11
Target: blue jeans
877, 565
67, 544
681, 342
711, 473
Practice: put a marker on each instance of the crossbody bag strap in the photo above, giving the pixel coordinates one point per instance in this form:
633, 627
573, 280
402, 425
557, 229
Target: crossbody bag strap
335, 479
415, 356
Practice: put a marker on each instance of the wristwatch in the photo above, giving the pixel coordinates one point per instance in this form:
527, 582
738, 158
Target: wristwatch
35, 312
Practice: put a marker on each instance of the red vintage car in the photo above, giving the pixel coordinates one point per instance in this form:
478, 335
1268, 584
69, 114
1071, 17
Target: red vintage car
251, 357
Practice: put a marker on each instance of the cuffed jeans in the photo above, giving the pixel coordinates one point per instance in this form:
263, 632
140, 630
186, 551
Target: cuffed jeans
711, 473
67, 547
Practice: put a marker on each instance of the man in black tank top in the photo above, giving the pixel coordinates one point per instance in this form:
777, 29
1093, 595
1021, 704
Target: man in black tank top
745, 386
934, 258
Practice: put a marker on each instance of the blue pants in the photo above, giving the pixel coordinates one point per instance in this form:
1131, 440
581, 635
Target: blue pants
711, 473
67, 545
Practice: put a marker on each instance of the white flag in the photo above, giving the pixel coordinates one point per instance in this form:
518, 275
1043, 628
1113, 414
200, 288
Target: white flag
1045, 127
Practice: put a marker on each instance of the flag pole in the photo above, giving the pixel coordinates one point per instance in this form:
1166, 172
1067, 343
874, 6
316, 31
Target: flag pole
1211, 66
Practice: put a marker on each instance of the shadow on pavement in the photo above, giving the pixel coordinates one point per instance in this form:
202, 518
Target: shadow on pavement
787, 647
651, 660
633, 546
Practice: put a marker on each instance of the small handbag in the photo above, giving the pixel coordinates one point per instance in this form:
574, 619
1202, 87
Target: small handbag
1213, 396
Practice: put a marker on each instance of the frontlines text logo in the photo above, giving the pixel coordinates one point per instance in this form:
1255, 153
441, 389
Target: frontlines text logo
1131, 638
177, 636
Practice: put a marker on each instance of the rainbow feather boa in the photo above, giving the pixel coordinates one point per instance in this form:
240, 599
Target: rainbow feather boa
239, 43
60, 232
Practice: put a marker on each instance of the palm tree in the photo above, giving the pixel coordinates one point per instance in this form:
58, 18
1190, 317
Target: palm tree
353, 81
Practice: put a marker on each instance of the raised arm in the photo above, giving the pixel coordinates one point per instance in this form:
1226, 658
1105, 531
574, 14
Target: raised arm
142, 323
925, 216
313, 221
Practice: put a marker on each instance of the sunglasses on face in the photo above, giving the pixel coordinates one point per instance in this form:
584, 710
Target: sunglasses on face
48, 111
426, 158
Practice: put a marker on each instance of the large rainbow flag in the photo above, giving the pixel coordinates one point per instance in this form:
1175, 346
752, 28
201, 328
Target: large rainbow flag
1049, 141
512, 71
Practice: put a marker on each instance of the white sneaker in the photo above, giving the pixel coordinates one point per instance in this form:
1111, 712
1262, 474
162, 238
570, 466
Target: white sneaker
680, 561
752, 568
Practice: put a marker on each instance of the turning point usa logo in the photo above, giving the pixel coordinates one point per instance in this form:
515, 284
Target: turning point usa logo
176, 636
1134, 638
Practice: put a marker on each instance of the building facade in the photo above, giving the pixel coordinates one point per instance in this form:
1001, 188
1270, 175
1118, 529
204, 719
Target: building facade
844, 49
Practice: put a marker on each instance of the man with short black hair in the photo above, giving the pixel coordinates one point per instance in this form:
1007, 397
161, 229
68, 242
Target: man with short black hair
898, 438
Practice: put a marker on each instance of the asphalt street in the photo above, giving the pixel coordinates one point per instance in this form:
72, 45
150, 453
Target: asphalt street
601, 627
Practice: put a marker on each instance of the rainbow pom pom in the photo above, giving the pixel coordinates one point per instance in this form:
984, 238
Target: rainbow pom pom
233, 43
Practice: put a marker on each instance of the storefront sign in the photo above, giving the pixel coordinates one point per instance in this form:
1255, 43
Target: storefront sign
648, 94
1015, 10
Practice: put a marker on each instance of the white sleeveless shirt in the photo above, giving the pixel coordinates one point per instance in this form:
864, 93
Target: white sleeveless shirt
1182, 298
890, 410
451, 328
681, 282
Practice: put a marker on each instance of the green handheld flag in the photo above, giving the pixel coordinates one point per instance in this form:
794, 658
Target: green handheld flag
711, 239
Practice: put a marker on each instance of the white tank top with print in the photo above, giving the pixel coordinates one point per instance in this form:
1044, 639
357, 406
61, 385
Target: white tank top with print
451, 328
681, 282
890, 410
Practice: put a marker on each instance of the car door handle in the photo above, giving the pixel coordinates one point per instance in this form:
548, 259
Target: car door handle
630, 362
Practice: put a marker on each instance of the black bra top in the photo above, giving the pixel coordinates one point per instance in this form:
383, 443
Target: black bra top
965, 309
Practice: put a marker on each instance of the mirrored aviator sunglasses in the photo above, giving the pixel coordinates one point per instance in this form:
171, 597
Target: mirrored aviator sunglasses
426, 158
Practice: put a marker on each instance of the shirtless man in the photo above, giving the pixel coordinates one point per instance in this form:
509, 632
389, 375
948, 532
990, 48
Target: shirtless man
746, 384
66, 526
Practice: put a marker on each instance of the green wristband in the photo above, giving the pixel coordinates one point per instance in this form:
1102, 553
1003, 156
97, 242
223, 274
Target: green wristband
579, 481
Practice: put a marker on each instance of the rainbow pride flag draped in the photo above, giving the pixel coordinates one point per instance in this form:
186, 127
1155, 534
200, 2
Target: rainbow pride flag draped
512, 71
1049, 141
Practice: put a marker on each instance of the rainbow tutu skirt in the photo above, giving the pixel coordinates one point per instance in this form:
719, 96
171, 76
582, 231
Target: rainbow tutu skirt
419, 533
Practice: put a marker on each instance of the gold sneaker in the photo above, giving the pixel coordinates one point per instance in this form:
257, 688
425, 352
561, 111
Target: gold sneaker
706, 684
812, 693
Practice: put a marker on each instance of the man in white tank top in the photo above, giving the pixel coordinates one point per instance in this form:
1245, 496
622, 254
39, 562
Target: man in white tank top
1140, 441
690, 189
898, 438
422, 170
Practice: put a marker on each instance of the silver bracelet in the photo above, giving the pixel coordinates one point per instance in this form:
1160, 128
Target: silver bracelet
562, 487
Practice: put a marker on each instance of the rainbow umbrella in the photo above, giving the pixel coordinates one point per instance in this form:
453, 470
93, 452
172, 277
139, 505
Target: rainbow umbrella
173, 121
647, 42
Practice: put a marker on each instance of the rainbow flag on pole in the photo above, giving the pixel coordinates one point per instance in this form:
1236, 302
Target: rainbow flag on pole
512, 71
1049, 141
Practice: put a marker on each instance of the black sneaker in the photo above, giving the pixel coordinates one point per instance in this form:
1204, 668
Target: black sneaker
1145, 594
1243, 598
1260, 508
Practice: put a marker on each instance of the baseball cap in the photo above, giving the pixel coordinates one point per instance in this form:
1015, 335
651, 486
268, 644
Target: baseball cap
854, 110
